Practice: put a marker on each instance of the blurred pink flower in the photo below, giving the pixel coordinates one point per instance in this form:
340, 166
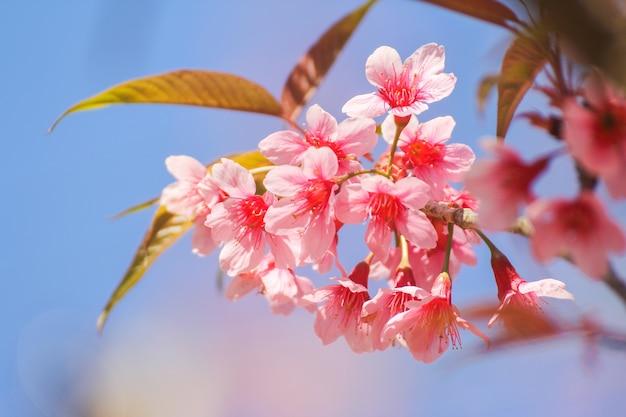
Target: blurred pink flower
518, 295
402, 88
502, 185
307, 204
596, 133
580, 228
339, 313
427, 156
430, 325
350, 139
390, 207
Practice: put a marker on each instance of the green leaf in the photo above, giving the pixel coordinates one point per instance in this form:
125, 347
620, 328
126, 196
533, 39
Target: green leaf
309, 72
523, 60
166, 228
491, 11
188, 87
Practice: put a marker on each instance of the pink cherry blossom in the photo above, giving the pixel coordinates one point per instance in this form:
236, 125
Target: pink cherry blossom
596, 133
580, 228
430, 325
308, 200
402, 88
339, 313
194, 192
389, 302
425, 153
516, 294
192, 196
350, 139
390, 207
238, 221
282, 288
502, 185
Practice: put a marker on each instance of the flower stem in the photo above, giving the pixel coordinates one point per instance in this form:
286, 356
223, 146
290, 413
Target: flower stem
446, 259
401, 123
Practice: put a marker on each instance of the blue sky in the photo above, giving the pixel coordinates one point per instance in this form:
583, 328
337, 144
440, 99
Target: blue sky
174, 346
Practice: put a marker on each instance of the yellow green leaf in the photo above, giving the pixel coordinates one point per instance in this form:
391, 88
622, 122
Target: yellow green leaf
491, 11
187, 87
523, 60
166, 228
309, 72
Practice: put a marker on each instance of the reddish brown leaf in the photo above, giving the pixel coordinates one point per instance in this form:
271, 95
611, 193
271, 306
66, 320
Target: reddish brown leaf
309, 72
524, 59
491, 11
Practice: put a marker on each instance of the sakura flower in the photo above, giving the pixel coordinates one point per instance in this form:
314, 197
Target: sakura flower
502, 184
194, 192
596, 133
430, 325
239, 222
389, 302
402, 88
281, 287
427, 155
307, 204
580, 228
349, 140
390, 207
517, 296
192, 196
339, 313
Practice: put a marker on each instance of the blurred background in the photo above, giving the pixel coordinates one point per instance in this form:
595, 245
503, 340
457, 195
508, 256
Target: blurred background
174, 346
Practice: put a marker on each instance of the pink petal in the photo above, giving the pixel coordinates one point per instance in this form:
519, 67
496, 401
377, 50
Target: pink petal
319, 163
185, 168
357, 136
284, 147
427, 60
383, 63
234, 179
285, 180
365, 105
546, 288
321, 123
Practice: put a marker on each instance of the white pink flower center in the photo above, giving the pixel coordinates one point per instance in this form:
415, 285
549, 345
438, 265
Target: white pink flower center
314, 197
400, 90
318, 141
384, 207
248, 215
421, 153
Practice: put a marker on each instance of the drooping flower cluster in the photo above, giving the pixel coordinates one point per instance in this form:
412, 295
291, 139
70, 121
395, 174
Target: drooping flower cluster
320, 183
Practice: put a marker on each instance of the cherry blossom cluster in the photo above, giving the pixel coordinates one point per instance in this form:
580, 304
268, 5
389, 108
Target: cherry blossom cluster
318, 184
